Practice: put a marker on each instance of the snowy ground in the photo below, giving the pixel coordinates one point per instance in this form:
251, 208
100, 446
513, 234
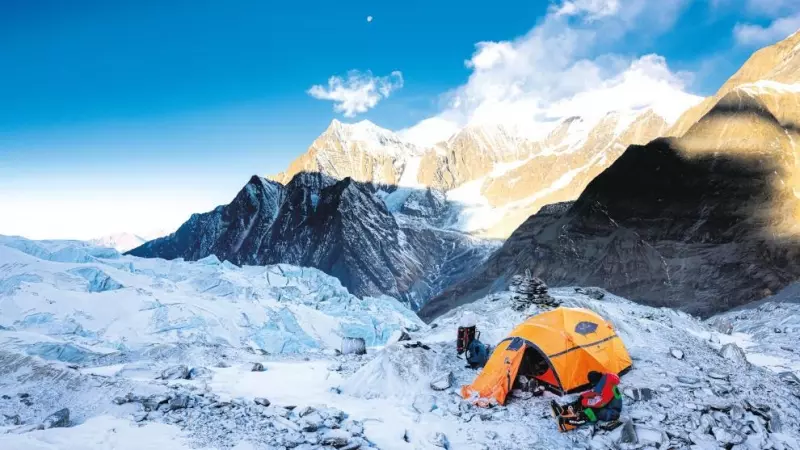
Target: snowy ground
82, 328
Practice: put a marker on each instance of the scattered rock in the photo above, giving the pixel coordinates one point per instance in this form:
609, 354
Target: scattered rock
354, 346
23, 395
257, 367
442, 382
639, 394
304, 411
153, 402
11, 420
790, 378
439, 439
179, 402
676, 353
719, 405
198, 373
120, 400
717, 375
335, 438
140, 416
335, 367
58, 419
727, 437
591, 292
261, 401
180, 372
732, 352
628, 434
312, 422
687, 380
6, 397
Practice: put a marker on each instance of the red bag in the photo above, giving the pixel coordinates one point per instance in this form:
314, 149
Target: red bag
465, 337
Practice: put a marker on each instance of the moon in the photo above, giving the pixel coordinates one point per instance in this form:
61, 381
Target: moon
369, 19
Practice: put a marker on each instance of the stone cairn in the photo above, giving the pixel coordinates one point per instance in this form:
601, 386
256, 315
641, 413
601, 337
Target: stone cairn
528, 290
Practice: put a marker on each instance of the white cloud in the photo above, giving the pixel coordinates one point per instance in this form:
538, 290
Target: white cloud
430, 131
778, 29
357, 93
594, 9
558, 69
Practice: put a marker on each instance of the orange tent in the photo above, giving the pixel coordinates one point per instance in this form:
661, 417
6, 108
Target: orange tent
558, 348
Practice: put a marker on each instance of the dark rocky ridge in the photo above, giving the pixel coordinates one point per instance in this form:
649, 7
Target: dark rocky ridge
338, 226
694, 232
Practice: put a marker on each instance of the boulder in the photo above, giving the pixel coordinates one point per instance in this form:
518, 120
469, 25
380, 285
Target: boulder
734, 353
58, 419
152, 403
179, 372
591, 292
354, 346
257, 367
199, 373
335, 438
628, 434
261, 401
312, 422
676, 353
442, 382
179, 402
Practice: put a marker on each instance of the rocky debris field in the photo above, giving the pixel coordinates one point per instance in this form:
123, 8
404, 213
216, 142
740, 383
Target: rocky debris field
693, 387
211, 421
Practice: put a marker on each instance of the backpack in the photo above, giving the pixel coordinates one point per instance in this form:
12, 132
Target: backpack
465, 337
477, 354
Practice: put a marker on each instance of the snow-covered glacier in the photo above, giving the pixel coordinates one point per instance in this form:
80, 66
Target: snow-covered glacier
74, 302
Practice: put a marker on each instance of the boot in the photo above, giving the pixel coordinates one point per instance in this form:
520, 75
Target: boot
570, 423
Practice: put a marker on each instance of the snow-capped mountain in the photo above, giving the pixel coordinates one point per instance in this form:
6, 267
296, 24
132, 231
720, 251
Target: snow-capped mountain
125, 241
341, 227
704, 222
498, 175
361, 151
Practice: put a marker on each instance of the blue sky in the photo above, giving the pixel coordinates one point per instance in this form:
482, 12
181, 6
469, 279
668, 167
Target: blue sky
127, 116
